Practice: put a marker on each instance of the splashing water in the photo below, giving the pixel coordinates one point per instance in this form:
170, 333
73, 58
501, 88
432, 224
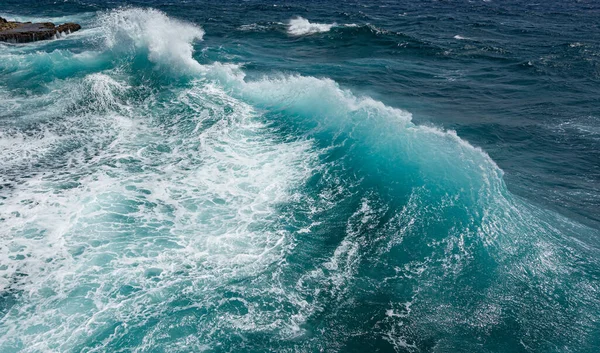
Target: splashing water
300, 26
206, 211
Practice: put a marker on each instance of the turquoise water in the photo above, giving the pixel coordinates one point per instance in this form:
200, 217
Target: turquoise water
301, 177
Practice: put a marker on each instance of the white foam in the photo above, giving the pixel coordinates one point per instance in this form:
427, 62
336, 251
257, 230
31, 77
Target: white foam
300, 27
185, 220
169, 41
105, 90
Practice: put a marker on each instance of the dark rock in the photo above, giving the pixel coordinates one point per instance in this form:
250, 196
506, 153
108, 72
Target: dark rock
24, 32
68, 28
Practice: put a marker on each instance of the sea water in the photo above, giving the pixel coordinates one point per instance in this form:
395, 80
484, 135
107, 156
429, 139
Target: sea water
307, 176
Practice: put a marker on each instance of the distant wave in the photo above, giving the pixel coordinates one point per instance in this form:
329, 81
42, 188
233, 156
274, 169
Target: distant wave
300, 26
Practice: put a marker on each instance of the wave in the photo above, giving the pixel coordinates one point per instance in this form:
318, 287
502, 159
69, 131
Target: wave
272, 208
300, 27
357, 34
168, 41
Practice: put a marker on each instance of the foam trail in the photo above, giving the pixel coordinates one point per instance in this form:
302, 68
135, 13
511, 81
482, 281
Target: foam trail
197, 194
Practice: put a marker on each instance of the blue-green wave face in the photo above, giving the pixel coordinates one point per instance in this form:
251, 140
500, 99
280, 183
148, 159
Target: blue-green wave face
153, 200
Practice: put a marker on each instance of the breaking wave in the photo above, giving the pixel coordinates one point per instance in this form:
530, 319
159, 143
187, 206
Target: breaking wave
215, 212
300, 27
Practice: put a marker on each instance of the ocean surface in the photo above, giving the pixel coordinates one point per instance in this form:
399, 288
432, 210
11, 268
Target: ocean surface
301, 176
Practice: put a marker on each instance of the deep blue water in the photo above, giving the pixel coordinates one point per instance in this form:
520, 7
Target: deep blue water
309, 176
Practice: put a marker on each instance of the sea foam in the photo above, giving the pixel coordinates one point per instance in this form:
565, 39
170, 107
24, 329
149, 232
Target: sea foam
300, 26
169, 42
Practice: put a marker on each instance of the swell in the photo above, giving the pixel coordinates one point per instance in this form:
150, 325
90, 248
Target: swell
344, 35
260, 214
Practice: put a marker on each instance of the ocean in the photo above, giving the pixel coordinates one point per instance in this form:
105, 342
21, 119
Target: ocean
301, 176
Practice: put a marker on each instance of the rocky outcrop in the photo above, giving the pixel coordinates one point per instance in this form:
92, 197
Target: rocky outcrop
24, 32
68, 28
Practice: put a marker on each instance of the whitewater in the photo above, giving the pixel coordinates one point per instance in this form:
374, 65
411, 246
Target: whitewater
154, 202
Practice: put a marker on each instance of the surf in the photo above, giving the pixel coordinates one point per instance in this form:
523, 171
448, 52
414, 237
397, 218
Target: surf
152, 199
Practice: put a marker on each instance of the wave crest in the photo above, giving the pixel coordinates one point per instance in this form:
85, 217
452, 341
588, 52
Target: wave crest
300, 26
168, 41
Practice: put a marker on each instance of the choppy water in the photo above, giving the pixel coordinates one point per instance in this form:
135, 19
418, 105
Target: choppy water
301, 177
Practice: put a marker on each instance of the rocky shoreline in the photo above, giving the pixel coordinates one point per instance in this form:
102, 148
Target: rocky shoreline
24, 32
